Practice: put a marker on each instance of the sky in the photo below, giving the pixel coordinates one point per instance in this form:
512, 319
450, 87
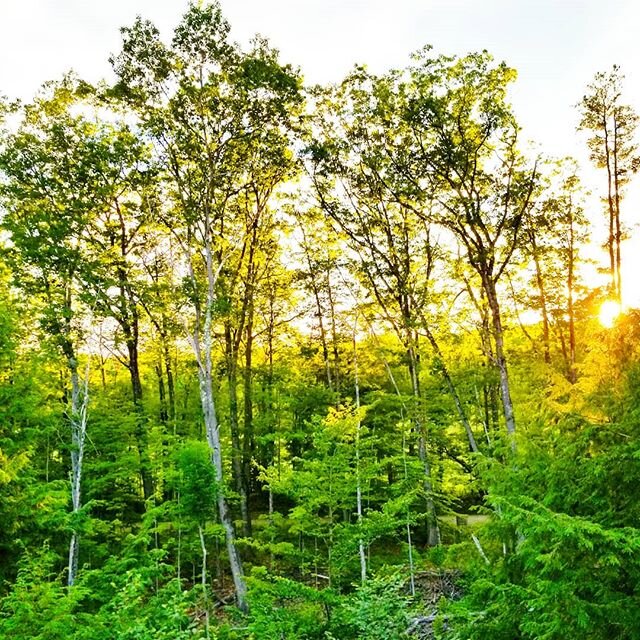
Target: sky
555, 45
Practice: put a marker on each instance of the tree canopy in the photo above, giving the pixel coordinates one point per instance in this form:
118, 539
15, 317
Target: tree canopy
281, 361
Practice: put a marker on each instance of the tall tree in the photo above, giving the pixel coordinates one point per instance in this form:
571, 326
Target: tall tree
58, 173
461, 159
396, 250
553, 232
612, 126
220, 121
114, 242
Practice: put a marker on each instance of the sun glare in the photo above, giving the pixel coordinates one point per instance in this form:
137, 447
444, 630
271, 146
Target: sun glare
609, 311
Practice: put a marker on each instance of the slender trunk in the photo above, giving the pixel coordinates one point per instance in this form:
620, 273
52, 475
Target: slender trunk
163, 368
203, 579
408, 522
129, 321
219, 571
489, 391
334, 332
452, 389
248, 442
330, 542
203, 548
270, 404
363, 558
483, 555
361, 553
323, 339
406, 478
483, 405
433, 530
487, 410
179, 550
543, 298
494, 401
131, 334
171, 389
412, 583
570, 308
319, 310
162, 394
236, 454
618, 228
501, 361
78, 424
618, 258
134, 368
103, 372
271, 529
565, 352
203, 348
611, 239
213, 438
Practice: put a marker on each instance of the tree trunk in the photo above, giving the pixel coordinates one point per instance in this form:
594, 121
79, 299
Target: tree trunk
618, 228
171, 389
134, 368
361, 553
543, 298
452, 389
131, 334
408, 523
78, 423
611, 239
203, 579
205, 376
570, 308
334, 333
236, 454
433, 530
319, 311
128, 318
501, 361
203, 548
248, 442
202, 346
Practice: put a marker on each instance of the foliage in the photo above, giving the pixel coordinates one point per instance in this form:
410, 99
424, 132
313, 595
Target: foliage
290, 331
378, 610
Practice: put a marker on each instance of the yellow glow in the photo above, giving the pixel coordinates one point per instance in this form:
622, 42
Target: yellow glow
609, 311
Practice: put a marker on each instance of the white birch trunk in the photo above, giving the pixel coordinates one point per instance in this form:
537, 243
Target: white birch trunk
202, 341
78, 423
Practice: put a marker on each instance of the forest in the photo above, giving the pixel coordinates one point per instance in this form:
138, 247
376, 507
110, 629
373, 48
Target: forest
281, 361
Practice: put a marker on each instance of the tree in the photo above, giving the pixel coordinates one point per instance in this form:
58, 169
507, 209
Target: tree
114, 245
463, 166
396, 250
58, 175
612, 126
393, 255
220, 121
318, 273
553, 233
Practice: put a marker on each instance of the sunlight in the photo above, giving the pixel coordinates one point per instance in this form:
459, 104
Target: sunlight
609, 311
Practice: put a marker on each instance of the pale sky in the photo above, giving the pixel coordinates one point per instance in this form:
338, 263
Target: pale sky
556, 46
